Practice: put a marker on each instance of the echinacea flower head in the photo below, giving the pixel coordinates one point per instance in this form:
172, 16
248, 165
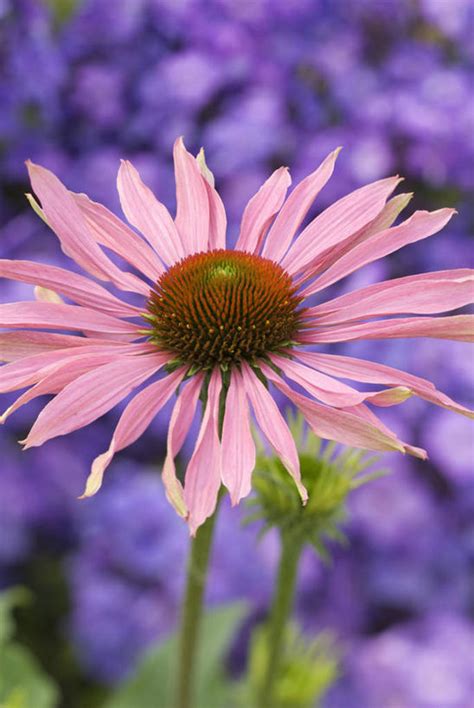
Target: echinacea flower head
221, 326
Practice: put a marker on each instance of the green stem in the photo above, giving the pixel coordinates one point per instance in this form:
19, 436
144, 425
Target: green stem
280, 611
191, 612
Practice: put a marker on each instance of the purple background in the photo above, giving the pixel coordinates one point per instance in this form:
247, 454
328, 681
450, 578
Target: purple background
259, 83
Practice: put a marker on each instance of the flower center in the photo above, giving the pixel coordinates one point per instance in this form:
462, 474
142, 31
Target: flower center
222, 307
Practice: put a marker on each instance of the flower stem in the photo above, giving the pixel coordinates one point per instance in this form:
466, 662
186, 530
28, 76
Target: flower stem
191, 612
280, 611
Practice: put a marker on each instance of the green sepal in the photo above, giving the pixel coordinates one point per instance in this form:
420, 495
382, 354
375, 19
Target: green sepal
329, 472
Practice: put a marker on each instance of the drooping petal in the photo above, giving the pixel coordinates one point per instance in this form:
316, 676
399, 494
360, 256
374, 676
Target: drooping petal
335, 424
333, 392
133, 422
67, 221
91, 395
53, 378
68, 317
148, 215
424, 294
273, 426
109, 231
217, 215
295, 208
338, 221
459, 328
261, 209
192, 205
180, 422
364, 413
203, 475
78, 288
17, 345
374, 373
30, 369
238, 447
421, 225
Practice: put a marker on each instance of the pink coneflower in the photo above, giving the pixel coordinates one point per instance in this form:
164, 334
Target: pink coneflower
221, 324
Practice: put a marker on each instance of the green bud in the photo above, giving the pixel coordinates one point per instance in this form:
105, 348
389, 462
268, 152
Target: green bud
307, 670
330, 472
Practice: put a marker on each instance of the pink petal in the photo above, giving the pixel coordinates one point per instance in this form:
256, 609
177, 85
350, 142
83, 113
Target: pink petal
133, 422
336, 424
180, 422
66, 219
261, 209
458, 328
17, 345
332, 254
273, 426
91, 395
333, 392
325, 388
295, 209
53, 378
386, 217
148, 215
217, 215
339, 221
371, 372
109, 231
421, 225
390, 396
238, 447
203, 475
76, 287
68, 317
365, 414
30, 369
192, 204
426, 293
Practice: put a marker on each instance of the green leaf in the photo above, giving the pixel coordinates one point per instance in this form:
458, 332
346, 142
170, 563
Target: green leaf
8, 600
23, 684
152, 686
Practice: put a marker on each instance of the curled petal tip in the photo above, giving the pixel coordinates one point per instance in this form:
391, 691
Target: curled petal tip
5, 415
94, 480
303, 494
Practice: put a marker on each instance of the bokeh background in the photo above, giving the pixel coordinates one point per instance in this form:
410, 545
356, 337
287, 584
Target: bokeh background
259, 83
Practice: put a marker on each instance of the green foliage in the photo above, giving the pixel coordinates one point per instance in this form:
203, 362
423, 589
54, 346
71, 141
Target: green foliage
307, 670
329, 473
153, 683
62, 10
23, 684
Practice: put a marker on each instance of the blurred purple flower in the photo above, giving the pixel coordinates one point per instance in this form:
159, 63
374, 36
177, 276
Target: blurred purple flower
260, 83
425, 664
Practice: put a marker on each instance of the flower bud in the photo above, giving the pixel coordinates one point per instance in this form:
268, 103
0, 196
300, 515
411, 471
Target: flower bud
329, 472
